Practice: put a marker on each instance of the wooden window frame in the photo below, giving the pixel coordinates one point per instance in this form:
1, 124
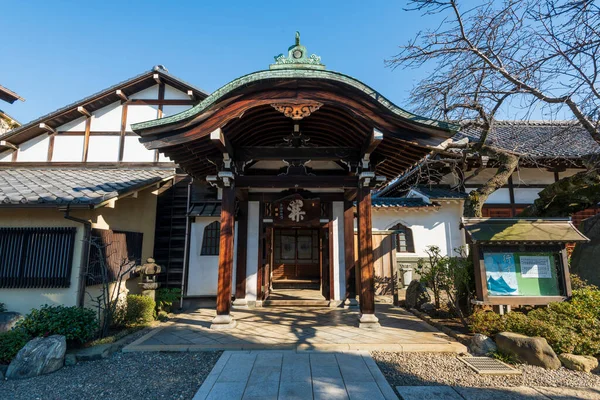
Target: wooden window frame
403, 231
211, 239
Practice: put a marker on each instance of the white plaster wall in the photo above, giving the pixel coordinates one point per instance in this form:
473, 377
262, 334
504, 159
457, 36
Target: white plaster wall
67, 148
103, 148
77, 125
173, 94
500, 196
203, 272
35, 149
108, 119
252, 250
135, 151
140, 113
339, 260
526, 195
532, 176
440, 228
149, 93
6, 156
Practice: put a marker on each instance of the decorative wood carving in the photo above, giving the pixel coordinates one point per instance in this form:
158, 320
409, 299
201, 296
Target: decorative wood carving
297, 111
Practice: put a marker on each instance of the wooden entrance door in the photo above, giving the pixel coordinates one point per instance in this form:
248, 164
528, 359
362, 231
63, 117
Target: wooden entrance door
296, 256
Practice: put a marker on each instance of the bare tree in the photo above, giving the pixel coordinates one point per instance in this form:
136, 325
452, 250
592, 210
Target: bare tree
511, 57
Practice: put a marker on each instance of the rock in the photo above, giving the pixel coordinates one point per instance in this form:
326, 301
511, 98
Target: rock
530, 350
39, 356
97, 352
427, 307
416, 295
8, 320
578, 363
70, 359
482, 345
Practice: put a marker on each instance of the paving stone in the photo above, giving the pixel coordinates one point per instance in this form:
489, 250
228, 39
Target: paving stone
363, 391
509, 393
226, 391
295, 391
329, 389
295, 368
428, 392
559, 393
238, 368
353, 368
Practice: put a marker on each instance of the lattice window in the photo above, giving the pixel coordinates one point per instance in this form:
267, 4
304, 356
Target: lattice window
211, 239
404, 239
36, 257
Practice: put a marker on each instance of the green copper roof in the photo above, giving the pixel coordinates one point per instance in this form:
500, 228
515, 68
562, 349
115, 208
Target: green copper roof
522, 230
291, 74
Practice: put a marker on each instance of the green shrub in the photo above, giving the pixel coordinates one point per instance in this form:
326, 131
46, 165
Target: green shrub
10, 344
75, 323
165, 297
569, 327
2, 307
140, 310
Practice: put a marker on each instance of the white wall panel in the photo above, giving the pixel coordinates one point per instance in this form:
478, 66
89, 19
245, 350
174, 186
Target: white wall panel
6, 156
163, 158
35, 149
339, 257
107, 118
150, 93
103, 148
203, 272
500, 196
252, 250
135, 151
532, 176
173, 94
526, 195
67, 148
77, 125
140, 113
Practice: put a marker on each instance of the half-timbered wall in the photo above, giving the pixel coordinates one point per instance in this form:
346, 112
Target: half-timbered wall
110, 136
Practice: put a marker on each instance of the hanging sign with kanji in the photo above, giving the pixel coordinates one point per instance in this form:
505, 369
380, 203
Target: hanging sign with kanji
295, 210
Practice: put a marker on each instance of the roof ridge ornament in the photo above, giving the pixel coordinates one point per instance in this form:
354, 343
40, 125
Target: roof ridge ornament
297, 58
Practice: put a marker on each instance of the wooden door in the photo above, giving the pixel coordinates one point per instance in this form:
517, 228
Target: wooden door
384, 261
296, 255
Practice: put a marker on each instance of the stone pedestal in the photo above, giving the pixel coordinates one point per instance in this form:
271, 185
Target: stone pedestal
223, 322
368, 321
240, 303
351, 304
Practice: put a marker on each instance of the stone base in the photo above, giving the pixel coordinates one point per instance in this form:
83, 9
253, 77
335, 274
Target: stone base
240, 303
368, 321
336, 303
223, 322
351, 304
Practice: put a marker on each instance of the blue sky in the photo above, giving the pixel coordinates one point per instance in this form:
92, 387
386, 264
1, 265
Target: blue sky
54, 53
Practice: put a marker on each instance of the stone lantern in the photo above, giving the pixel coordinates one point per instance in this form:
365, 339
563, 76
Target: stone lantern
149, 272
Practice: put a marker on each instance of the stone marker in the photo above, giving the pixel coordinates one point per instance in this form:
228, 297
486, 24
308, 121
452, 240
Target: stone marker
579, 363
39, 356
530, 350
416, 295
8, 320
482, 345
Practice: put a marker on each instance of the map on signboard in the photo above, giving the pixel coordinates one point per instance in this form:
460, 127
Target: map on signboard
501, 274
535, 267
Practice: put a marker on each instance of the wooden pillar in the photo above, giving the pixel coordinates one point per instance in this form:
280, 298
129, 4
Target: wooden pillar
223, 319
365, 260
349, 255
240, 273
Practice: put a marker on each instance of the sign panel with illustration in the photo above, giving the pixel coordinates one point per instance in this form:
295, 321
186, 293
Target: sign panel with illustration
295, 210
521, 274
501, 274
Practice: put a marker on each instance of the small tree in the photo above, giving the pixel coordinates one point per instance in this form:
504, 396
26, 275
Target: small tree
111, 281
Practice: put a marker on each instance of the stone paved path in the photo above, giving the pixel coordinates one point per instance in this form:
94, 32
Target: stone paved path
298, 329
290, 375
509, 393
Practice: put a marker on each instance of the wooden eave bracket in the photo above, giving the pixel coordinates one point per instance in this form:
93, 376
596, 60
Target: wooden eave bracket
4, 143
47, 128
156, 77
369, 179
221, 142
221, 180
374, 139
83, 111
122, 95
191, 95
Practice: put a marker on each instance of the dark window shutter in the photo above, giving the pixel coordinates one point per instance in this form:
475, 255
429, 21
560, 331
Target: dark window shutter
211, 239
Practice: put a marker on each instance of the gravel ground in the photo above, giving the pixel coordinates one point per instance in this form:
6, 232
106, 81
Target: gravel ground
429, 369
122, 376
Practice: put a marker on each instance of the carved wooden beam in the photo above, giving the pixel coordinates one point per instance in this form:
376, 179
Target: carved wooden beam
83, 111
47, 128
122, 95
221, 142
297, 153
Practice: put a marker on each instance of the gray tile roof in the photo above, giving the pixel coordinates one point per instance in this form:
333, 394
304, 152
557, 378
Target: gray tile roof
206, 209
538, 139
61, 186
385, 202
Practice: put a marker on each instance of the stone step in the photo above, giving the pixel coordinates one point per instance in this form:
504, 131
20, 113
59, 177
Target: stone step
296, 303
